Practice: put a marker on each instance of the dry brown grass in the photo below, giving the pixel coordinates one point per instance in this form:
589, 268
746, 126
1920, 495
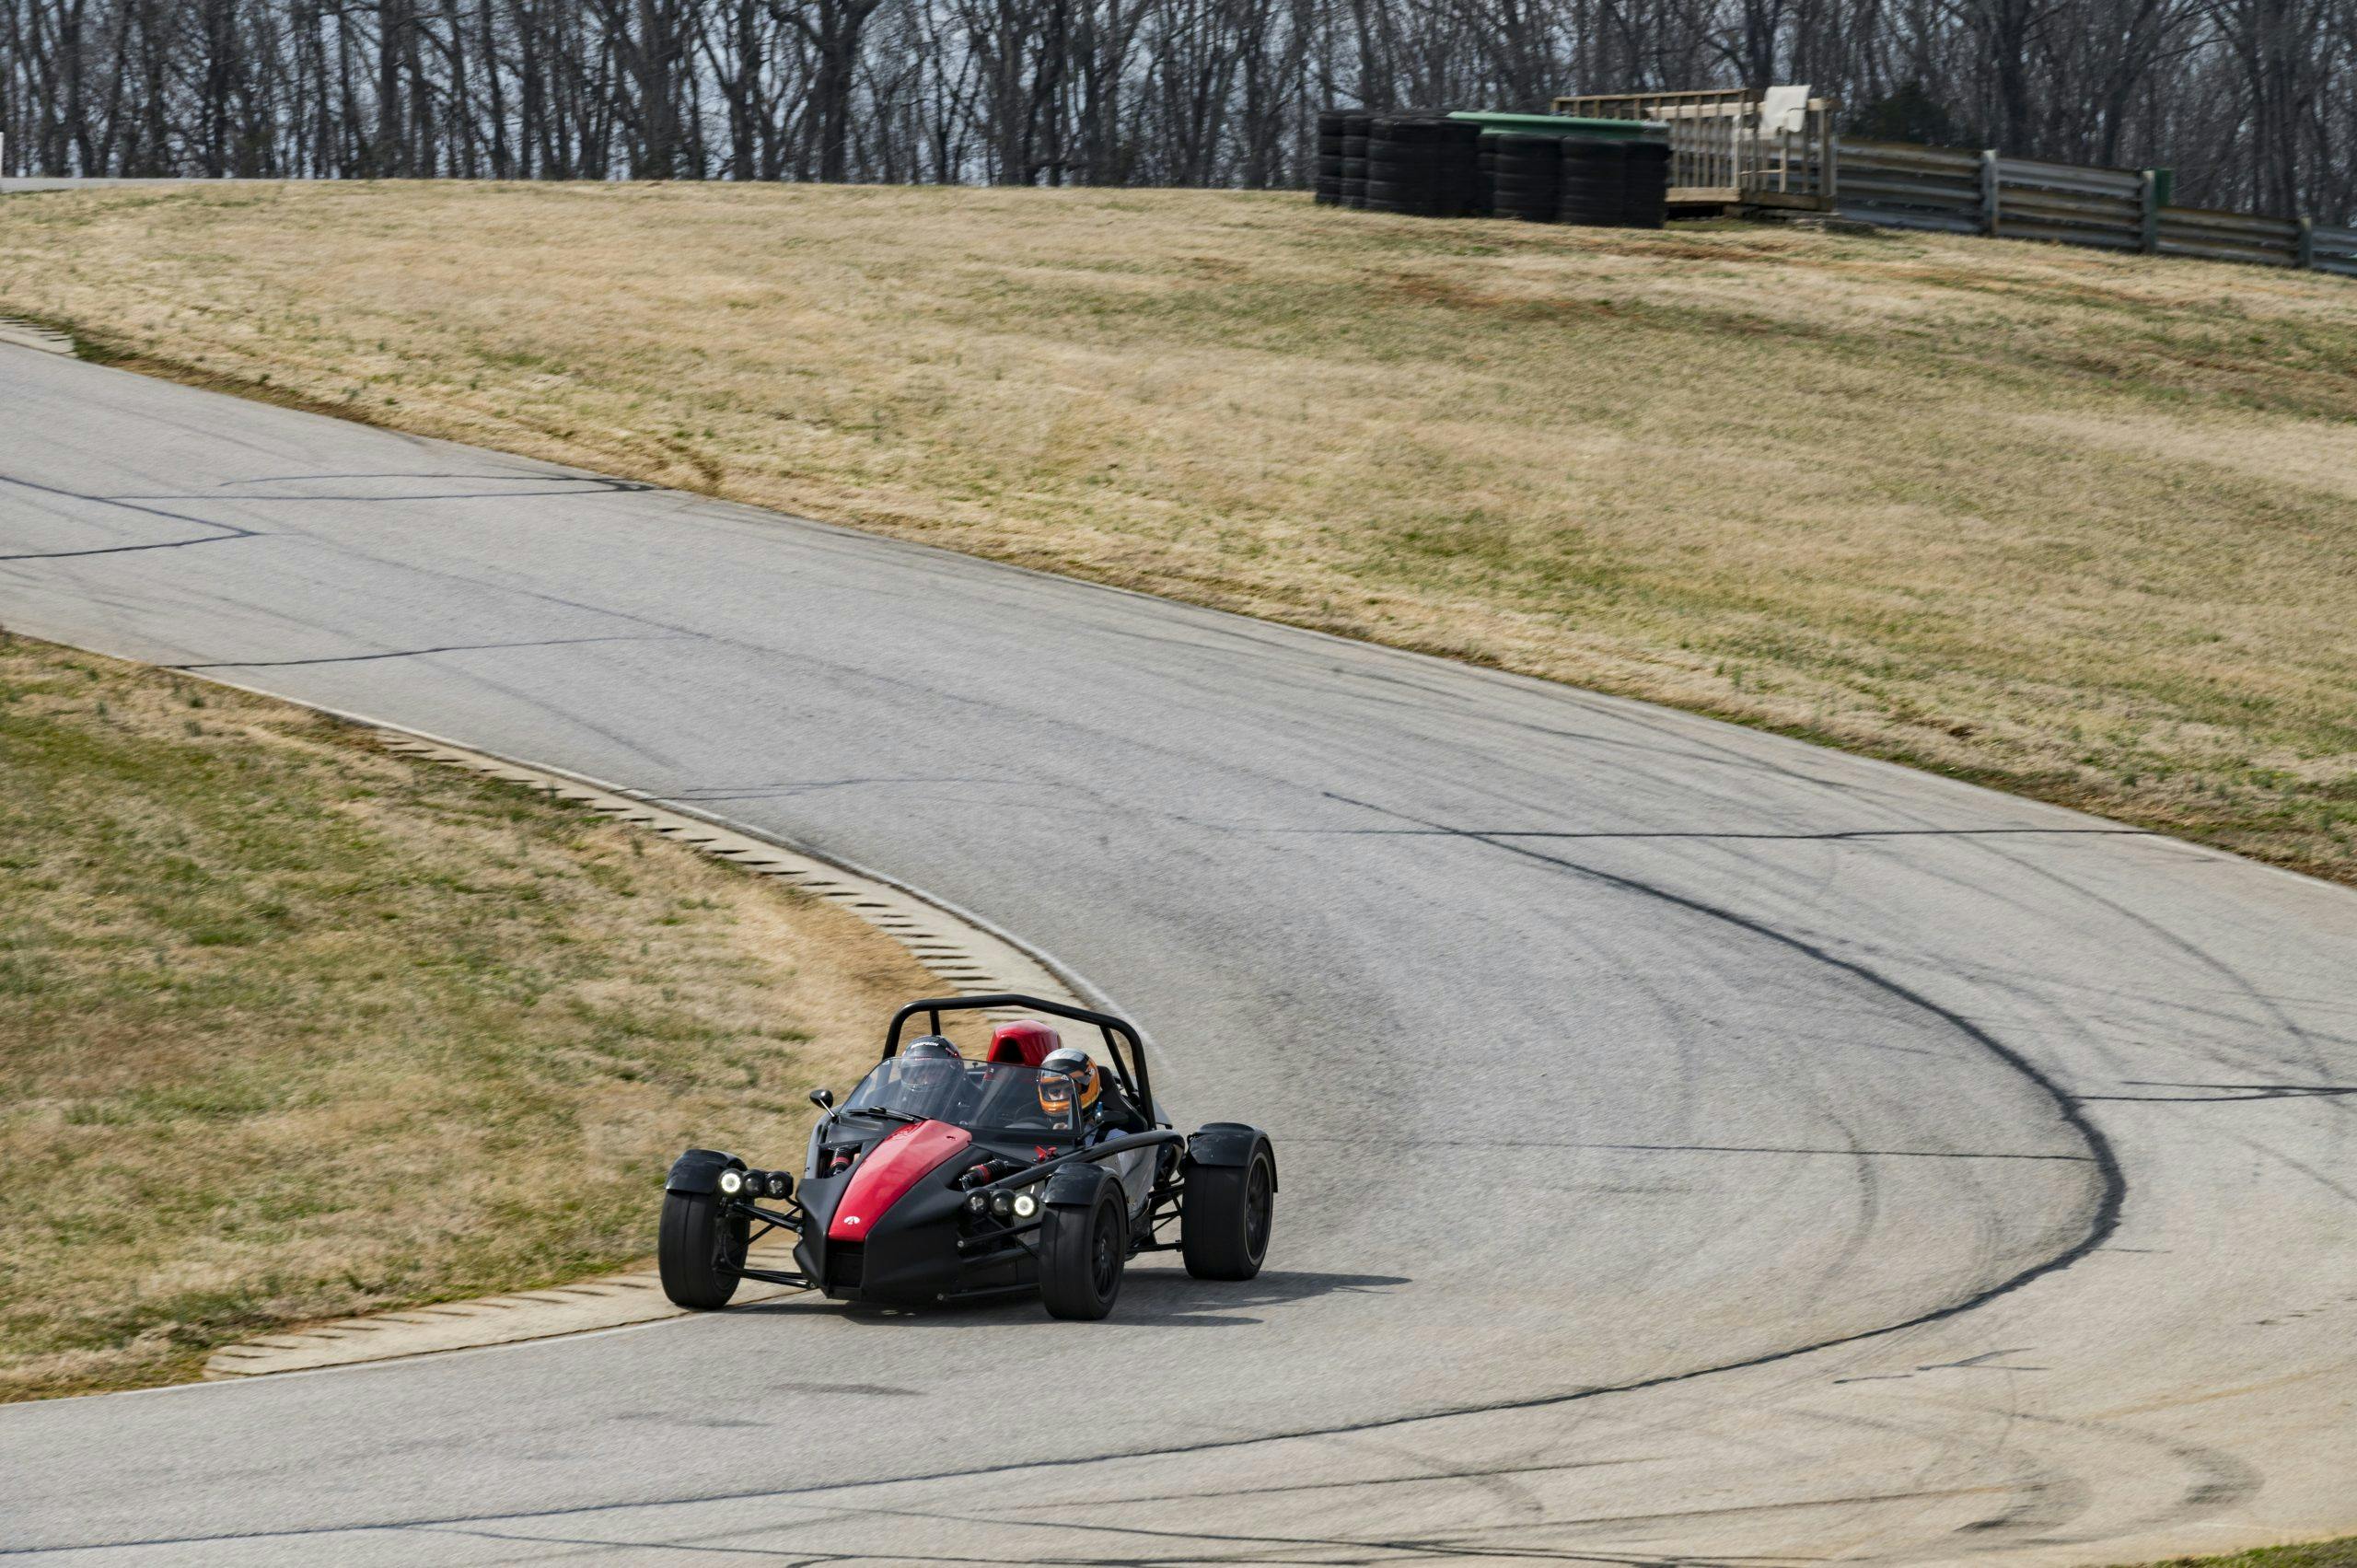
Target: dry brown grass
290, 1028
2080, 525
2338, 1554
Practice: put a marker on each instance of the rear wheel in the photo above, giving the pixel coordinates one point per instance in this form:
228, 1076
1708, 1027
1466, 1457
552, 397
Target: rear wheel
698, 1250
1081, 1254
1224, 1219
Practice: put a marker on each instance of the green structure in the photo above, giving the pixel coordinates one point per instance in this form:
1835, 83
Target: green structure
1496, 122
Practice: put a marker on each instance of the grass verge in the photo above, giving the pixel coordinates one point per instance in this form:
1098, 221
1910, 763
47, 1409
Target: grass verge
290, 1028
2078, 525
2341, 1553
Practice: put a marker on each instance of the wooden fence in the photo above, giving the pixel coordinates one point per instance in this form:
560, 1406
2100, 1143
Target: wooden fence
1733, 145
1955, 190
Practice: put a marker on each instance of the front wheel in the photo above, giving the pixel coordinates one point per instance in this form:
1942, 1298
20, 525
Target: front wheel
1224, 1215
699, 1249
1081, 1254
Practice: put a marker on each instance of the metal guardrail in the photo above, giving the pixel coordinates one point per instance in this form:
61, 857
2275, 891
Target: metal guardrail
1766, 147
1958, 191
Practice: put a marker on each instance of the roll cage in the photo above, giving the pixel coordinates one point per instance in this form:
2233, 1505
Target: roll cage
1129, 1066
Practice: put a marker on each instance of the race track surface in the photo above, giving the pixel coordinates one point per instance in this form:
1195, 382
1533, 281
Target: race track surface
1693, 1144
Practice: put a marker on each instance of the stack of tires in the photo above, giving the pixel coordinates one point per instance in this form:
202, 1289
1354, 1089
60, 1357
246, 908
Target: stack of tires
1422, 164
1329, 183
1592, 182
1645, 186
1525, 175
1589, 193
1356, 130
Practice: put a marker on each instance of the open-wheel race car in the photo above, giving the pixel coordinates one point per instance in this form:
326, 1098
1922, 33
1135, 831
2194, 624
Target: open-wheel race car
940, 1179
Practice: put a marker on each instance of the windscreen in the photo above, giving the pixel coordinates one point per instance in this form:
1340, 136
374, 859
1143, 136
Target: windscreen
985, 1097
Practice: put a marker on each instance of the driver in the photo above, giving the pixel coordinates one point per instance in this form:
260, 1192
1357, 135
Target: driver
930, 1072
1104, 1109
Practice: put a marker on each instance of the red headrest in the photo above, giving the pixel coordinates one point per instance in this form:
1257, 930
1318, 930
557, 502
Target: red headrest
1025, 1040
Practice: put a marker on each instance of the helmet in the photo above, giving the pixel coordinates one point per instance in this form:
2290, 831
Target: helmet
928, 1062
1074, 1066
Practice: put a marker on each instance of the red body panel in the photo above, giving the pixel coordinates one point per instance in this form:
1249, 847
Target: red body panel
1025, 1040
891, 1167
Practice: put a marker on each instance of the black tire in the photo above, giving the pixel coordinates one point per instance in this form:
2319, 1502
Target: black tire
1081, 1254
1225, 1216
1329, 168
698, 1252
1419, 192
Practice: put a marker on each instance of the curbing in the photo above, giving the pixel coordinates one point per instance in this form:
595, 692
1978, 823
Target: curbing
25, 334
973, 959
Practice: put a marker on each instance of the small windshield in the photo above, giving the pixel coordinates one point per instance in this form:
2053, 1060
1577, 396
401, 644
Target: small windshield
997, 1095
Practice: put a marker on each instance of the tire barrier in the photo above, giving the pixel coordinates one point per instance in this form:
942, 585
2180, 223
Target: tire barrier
1427, 165
1329, 184
1588, 193
1356, 130
1430, 164
1528, 179
1645, 190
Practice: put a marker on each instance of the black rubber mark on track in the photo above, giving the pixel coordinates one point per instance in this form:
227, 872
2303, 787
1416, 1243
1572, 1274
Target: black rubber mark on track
2099, 1230
555, 485
225, 531
2218, 1093
420, 653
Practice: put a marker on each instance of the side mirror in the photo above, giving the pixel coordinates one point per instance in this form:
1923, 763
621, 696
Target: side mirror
823, 1099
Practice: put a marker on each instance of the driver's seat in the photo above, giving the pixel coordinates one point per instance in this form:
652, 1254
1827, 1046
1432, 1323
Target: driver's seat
1024, 1042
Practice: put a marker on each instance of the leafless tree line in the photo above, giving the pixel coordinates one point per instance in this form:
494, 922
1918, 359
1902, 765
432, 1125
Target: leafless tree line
2250, 100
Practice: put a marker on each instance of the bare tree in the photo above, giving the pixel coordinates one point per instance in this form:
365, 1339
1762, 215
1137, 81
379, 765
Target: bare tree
2250, 100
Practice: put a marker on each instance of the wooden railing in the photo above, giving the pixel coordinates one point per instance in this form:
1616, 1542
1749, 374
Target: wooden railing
1722, 153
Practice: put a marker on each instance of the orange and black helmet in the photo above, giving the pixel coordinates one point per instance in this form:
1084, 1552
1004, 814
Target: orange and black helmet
1065, 1074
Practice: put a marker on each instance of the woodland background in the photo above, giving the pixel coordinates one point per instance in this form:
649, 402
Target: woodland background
2249, 101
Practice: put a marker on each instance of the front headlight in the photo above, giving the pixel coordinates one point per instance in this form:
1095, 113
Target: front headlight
732, 1182
1026, 1205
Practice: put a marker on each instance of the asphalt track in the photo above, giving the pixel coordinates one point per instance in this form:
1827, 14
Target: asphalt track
1694, 1144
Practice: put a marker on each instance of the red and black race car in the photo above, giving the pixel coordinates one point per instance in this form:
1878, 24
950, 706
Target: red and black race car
1036, 1167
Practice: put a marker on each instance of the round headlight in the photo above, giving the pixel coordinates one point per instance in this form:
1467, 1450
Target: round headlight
779, 1184
976, 1203
1002, 1204
1026, 1205
732, 1182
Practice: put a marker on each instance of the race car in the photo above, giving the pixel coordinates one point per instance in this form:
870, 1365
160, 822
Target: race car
940, 1179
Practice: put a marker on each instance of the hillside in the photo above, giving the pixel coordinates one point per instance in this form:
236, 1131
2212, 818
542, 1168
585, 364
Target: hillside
2079, 525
